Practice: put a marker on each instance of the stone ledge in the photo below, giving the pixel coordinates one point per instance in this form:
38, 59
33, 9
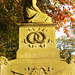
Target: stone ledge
50, 52
36, 24
38, 67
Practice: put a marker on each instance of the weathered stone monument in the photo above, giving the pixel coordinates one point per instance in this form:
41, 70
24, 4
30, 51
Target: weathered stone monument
37, 53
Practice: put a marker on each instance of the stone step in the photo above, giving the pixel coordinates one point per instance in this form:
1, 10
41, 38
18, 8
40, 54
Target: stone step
40, 67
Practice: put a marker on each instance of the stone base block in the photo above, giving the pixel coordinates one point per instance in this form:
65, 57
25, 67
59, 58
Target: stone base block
38, 67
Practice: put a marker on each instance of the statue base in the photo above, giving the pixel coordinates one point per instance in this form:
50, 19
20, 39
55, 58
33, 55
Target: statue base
37, 40
37, 53
38, 67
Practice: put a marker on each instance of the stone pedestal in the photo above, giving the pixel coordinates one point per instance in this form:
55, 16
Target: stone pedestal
37, 40
37, 53
38, 67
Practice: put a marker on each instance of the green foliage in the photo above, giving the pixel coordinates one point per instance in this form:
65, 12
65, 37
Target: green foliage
8, 30
69, 57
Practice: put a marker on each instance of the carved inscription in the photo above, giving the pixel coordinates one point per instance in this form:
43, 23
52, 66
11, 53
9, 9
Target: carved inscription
34, 71
34, 46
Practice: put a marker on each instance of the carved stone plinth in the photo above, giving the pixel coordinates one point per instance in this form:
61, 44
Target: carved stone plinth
37, 53
37, 40
38, 67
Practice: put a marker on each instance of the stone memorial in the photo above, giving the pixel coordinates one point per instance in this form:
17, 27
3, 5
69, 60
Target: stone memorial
37, 53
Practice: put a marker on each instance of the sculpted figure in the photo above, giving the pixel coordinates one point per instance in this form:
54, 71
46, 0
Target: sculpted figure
33, 14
